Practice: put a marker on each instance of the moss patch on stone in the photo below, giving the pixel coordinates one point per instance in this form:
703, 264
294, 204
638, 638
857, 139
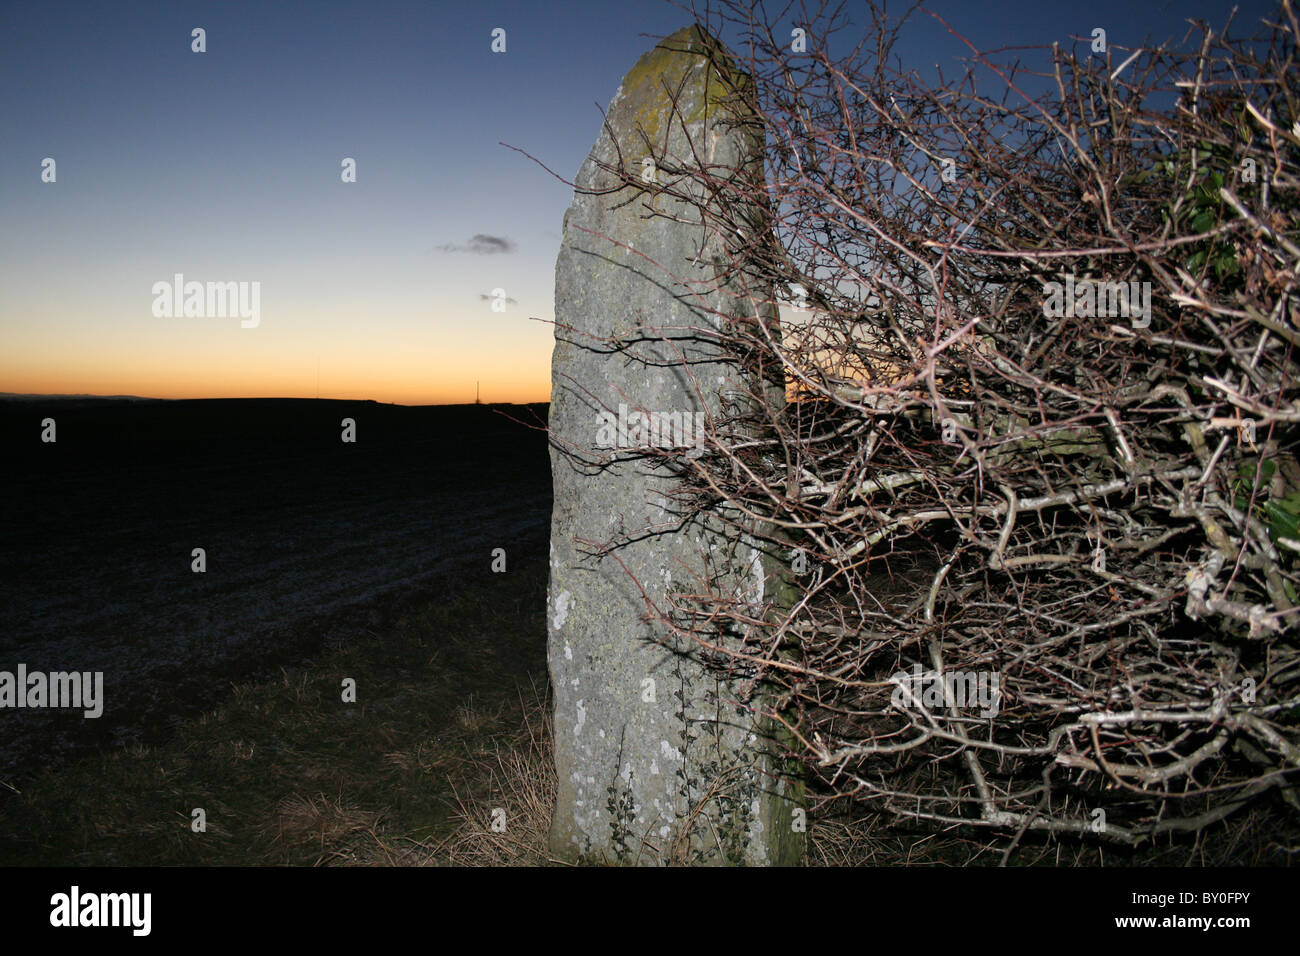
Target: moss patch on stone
659, 74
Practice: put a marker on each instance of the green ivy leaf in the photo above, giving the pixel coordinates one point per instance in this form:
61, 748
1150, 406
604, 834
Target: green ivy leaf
1225, 265
1267, 469
1282, 523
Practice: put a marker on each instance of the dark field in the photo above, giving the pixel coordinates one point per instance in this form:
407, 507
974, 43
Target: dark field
310, 542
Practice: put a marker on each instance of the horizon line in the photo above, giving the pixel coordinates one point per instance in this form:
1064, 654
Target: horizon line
34, 396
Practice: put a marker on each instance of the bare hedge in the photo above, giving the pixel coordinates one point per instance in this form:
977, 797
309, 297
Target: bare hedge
1034, 476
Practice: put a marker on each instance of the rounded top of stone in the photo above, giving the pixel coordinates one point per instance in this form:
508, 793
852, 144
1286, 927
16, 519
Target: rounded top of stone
685, 97
672, 59
693, 40
690, 38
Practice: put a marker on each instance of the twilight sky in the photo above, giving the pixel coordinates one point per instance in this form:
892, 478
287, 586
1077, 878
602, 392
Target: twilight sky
225, 166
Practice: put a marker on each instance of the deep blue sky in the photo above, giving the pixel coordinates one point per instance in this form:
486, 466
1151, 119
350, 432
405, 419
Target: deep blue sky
225, 165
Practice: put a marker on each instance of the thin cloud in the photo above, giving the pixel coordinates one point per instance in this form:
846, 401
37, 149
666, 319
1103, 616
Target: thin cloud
490, 298
483, 245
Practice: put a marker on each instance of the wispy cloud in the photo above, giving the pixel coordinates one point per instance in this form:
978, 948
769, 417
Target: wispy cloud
482, 245
489, 298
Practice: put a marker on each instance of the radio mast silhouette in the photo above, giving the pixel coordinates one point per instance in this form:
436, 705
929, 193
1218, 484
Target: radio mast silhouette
476, 398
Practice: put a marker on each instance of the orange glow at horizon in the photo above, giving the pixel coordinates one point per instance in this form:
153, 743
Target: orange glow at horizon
513, 396
496, 385
403, 359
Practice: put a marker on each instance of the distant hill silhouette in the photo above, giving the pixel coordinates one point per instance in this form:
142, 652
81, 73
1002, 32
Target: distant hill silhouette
26, 397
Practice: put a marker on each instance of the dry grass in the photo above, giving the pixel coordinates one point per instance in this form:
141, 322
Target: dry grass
330, 824
504, 811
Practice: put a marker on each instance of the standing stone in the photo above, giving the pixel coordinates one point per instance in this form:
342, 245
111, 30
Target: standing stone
660, 759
